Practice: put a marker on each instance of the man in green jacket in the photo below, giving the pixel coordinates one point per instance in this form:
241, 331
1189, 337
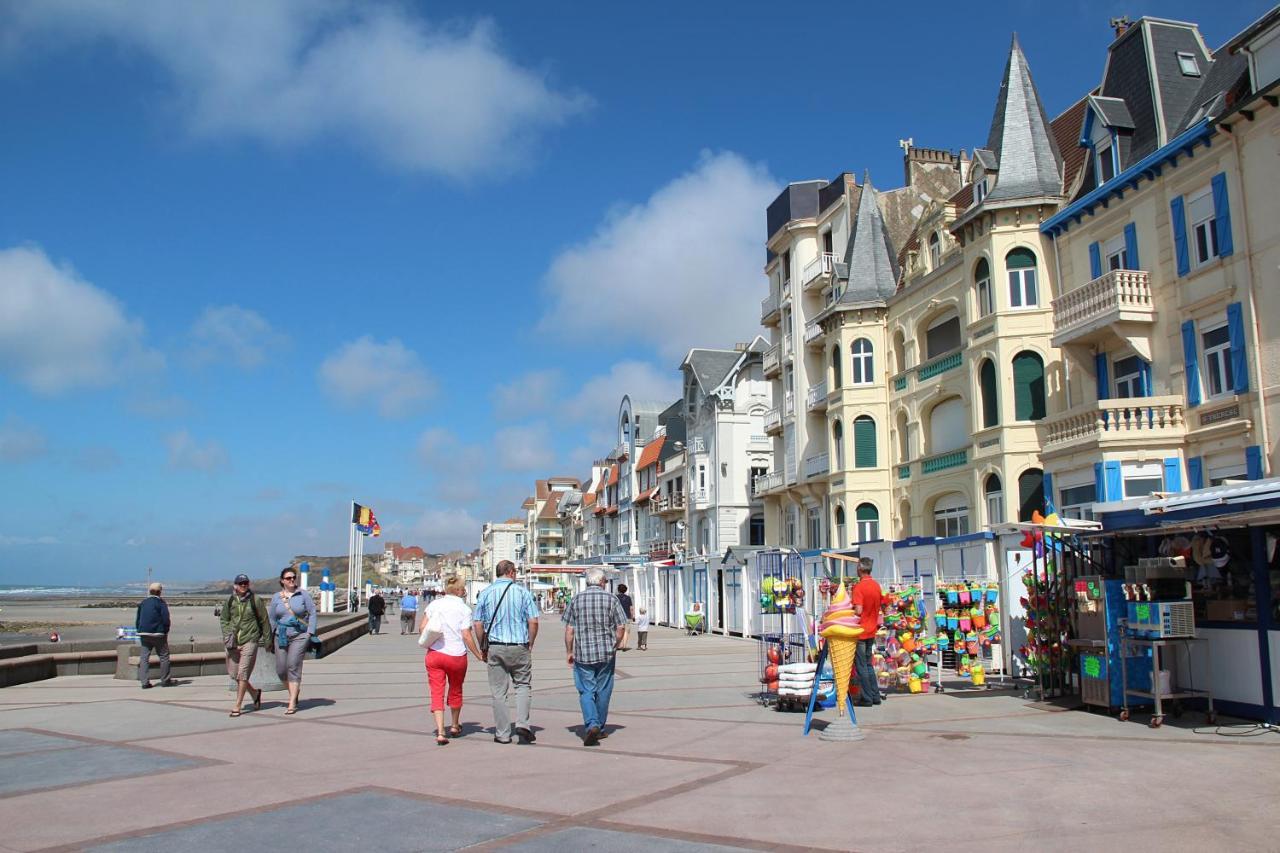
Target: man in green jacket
245, 627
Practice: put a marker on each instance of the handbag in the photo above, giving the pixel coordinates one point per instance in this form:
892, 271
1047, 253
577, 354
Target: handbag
429, 636
484, 641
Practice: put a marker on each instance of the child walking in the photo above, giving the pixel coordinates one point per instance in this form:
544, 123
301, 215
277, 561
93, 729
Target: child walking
642, 630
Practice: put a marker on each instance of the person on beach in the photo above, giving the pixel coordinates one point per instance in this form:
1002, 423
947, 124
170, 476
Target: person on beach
246, 627
506, 625
446, 659
408, 612
377, 607
293, 622
152, 622
595, 624
866, 605
642, 630
629, 609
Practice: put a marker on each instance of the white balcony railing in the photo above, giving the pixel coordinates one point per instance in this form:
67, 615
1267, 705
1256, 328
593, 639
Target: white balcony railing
772, 420
769, 306
817, 396
813, 333
788, 342
1139, 419
767, 483
786, 290
816, 466
1115, 296
817, 268
788, 404
772, 360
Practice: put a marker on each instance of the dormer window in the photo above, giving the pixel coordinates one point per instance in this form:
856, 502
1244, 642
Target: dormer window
1105, 161
935, 251
1188, 65
980, 191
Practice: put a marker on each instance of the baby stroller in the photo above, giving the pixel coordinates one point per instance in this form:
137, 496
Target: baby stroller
694, 623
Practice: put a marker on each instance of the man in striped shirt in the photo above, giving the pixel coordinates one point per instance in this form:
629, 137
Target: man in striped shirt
506, 624
595, 623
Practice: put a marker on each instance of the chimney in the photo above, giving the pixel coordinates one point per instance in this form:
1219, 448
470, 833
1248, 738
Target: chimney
740, 347
1121, 25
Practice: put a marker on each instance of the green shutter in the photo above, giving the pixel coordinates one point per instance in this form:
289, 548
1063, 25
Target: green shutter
864, 443
868, 512
987, 381
1028, 387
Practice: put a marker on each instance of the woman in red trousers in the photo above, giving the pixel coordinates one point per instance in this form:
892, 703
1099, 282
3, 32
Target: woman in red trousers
450, 617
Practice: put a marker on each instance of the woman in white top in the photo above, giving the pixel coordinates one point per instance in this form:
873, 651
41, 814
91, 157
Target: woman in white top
450, 617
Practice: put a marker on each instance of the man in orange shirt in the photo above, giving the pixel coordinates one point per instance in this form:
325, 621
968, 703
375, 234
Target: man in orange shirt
866, 604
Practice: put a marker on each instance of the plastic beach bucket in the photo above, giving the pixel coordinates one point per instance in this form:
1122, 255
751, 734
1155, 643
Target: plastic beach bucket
978, 675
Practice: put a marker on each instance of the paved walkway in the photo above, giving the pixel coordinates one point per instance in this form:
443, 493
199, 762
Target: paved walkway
692, 764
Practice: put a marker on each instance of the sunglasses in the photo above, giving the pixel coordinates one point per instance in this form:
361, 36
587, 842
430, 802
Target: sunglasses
242, 583
289, 578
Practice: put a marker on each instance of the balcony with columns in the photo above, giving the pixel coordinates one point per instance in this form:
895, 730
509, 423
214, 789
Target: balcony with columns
813, 334
773, 421
766, 483
1116, 303
1151, 423
772, 361
818, 465
817, 273
816, 399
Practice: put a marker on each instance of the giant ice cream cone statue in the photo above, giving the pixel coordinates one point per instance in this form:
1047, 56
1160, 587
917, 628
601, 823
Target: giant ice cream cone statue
839, 625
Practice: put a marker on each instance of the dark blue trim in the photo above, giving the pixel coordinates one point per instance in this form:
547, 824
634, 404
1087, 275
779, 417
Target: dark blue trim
1191, 362
1222, 215
1131, 519
1104, 383
1195, 473
1095, 260
1146, 168
1239, 363
1131, 247
1253, 462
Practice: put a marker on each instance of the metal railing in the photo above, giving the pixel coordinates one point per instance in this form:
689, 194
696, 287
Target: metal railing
941, 364
788, 404
818, 267
773, 420
812, 332
769, 306
767, 482
815, 466
817, 396
943, 461
772, 359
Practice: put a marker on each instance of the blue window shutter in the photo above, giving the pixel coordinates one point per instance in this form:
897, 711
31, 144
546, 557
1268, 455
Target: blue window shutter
1095, 261
1115, 485
1099, 484
1131, 247
1195, 473
1191, 362
1222, 213
1253, 462
1179, 219
1239, 364
1144, 377
1050, 505
1172, 475
1104, 383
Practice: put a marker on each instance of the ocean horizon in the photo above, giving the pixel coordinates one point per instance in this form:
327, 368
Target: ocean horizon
135, 588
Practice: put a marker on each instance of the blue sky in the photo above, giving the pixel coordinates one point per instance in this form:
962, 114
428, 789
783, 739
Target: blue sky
259, 259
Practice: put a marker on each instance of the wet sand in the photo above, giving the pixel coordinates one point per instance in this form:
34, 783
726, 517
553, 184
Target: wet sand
73, 621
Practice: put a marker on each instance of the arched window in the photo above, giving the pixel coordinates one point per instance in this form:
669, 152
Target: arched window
868, 522
935, 251
987, 385
863, 362
982, 283
1028, 387
837, 442
837, 370
904, 444
993, 491
839, 543
948, 426
951, 515
1030, 493
899, 351
904, 520
864, 442
1023, 291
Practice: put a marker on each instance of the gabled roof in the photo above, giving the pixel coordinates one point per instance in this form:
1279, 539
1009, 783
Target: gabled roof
710, 367
588, 499
872, 269
651, 453
550, 509
986, 159
1113, 111
1029, 162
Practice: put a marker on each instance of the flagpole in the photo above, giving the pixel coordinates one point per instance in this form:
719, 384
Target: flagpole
351, 552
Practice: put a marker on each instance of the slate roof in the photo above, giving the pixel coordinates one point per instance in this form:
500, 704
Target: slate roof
1226, 80
869, 257
711, 366
1114, 112
986, 158
1030, 165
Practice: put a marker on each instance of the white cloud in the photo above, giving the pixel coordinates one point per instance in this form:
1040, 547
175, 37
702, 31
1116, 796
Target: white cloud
682, 269
524, 448
528, 394
58, 331
420, 97
438, 530
390, 373
229, 333
185, 453
20, 441
597, 401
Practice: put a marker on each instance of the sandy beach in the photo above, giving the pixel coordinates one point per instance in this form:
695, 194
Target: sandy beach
35, 618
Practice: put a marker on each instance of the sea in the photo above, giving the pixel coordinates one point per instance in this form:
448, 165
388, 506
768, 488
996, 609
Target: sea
132, 590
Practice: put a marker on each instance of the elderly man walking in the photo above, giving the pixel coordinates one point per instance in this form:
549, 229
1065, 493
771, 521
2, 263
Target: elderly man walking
506, 625
152, 622
595, 625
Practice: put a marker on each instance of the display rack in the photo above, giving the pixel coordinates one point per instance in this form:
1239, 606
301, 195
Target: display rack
968, 625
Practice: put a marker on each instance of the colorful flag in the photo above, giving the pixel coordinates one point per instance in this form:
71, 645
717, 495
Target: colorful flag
365, 521
375, 529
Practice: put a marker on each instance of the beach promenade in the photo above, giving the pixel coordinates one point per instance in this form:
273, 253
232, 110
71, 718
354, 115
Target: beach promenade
692, 763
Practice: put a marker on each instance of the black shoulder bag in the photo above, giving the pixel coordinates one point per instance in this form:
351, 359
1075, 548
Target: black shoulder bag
484, 641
